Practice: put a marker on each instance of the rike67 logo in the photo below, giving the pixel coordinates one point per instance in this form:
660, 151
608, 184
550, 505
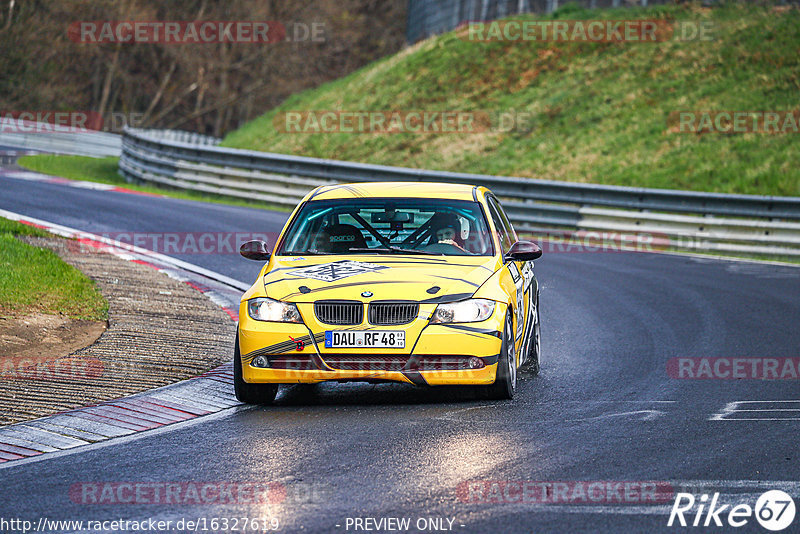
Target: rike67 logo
774, 510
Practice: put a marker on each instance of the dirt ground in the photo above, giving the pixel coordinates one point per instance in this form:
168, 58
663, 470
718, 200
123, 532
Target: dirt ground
40, 334
37, 345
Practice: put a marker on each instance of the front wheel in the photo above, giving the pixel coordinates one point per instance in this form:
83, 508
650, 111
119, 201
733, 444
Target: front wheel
250, 393
534, 345
506, 381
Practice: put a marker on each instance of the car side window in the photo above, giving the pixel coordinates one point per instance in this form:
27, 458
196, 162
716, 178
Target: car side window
506, 222
500, 226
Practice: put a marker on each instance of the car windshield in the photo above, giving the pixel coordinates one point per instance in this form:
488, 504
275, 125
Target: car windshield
389, 226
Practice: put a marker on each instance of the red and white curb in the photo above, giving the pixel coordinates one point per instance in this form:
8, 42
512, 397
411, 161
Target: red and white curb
206, 394
36, 177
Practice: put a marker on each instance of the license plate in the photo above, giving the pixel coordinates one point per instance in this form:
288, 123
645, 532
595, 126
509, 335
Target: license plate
365, 339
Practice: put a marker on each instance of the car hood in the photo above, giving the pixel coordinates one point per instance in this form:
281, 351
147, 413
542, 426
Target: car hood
389, 277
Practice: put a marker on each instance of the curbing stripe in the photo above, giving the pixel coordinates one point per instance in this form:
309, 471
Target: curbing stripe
151, 414
104, 430
40, 443
190, 411
20, 451
118, 415
9, 439
83, 413
62, 431
214, 388
7, 457
119, 411
37, 435
33, 176
204, 403
168, 412
110, 417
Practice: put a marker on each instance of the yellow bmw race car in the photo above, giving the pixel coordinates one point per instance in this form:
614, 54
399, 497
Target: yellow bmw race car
408, 282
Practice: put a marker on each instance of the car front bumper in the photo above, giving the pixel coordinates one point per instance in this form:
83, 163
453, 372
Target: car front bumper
433, 355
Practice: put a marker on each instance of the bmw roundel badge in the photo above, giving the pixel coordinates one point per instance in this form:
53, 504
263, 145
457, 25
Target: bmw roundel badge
366, 294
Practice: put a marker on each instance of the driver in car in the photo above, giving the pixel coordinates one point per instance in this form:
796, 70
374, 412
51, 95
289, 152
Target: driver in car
446, 234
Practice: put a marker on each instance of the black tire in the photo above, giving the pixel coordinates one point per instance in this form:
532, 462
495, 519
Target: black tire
250, 393
534, 345
506, 381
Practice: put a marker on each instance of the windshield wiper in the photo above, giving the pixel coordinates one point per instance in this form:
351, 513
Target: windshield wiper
394, 250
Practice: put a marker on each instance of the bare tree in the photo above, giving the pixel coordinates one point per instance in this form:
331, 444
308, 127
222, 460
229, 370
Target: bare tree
211, 87
7, 25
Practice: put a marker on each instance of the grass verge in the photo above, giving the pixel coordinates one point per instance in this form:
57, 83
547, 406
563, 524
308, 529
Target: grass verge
599, 111
35, 279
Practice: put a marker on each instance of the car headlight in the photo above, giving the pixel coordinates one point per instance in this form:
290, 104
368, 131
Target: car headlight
264, 309
466, 311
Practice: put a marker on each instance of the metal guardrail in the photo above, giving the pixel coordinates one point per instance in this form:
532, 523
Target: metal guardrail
181, 136
62, 140
430, 17
751, 224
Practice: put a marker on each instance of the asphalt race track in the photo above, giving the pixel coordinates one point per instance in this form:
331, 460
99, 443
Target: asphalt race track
603, 409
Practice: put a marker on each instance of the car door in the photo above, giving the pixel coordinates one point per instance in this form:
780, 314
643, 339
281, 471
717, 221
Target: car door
522, 274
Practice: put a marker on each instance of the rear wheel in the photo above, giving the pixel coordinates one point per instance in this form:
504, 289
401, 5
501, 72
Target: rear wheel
250, 393
506, 381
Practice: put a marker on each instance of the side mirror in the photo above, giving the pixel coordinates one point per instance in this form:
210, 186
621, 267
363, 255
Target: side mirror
523, 251
255, 250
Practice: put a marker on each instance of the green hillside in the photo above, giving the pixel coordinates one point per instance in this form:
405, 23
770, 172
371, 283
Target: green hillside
599, 110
